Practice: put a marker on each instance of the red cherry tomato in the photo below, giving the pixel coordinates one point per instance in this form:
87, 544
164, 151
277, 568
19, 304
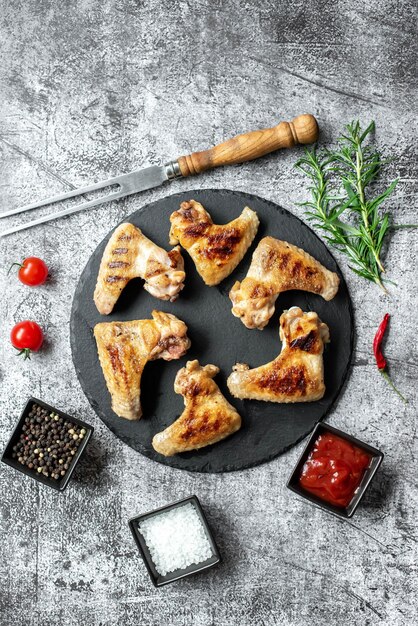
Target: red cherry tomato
27, 337
32, 271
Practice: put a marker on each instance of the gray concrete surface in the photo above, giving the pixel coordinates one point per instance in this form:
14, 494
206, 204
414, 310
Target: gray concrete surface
93, 88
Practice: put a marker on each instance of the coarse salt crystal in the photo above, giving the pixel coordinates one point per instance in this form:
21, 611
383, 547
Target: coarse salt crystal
176, 539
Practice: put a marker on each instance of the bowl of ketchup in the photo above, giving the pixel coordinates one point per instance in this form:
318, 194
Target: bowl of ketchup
334, 470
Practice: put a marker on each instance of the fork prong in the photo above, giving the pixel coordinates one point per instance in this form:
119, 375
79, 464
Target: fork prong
79, 207
117, 180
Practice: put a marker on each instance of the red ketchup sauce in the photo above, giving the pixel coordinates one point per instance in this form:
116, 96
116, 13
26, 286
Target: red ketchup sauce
334, 469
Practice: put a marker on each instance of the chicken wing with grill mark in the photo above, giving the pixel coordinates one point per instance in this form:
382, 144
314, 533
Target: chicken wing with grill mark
297, 374
215, 249
207, 418
126, 347
129, 254
278, 266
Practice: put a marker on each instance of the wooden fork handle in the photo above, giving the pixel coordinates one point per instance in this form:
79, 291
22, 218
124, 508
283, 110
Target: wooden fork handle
301, 130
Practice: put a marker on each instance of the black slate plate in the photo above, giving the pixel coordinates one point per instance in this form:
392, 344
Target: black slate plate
217, 337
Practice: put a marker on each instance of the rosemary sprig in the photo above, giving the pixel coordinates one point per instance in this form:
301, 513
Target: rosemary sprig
341, 181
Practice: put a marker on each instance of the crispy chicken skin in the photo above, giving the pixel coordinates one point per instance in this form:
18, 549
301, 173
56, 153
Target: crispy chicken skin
126, 347
207, 418
215, 249
297, 374
129, 254
278, 266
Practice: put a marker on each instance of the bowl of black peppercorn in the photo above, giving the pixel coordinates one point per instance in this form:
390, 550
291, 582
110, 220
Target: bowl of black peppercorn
47, 444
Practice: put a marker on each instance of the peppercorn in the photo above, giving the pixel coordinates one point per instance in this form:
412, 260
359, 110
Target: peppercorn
47, 443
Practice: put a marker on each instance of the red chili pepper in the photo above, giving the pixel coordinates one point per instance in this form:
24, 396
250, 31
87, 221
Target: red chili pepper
378, 354
377, 343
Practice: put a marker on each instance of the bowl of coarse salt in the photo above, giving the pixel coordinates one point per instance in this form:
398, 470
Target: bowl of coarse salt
175, 541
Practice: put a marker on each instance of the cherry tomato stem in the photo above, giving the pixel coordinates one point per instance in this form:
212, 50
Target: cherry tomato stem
13, 265
25, 353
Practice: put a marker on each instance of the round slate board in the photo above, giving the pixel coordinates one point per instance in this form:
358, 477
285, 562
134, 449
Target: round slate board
268, 429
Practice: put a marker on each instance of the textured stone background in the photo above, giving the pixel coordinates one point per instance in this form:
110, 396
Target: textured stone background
93, 88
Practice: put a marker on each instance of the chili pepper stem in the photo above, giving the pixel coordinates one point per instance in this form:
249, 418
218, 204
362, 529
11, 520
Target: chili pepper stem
389, 380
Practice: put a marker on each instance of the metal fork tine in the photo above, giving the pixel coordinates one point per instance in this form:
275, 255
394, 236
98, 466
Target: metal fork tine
117, 180
79, 207
138, 180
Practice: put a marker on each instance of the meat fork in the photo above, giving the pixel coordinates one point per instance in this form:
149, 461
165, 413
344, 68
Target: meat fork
301, 130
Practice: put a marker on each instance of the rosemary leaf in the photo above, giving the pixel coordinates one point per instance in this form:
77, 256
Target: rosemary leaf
342, 204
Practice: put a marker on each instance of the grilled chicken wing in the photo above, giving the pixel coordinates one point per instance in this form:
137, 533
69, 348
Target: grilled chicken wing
297, 374
129, 254
207, 418
278, 266
215, 249
125, 348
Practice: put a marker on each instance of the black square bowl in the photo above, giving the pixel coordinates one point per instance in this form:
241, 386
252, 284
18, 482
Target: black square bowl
60, 485
157, 578
345, 513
